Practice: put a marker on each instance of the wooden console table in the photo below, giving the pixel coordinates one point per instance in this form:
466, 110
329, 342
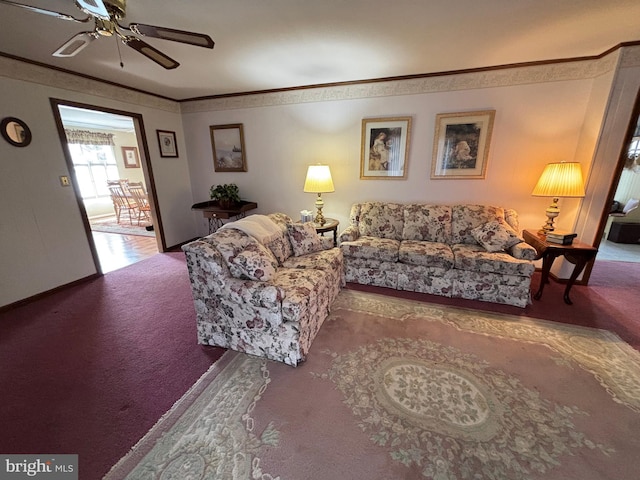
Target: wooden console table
215, 214
577, 253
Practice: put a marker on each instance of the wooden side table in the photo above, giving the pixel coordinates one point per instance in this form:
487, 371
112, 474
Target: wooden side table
578, 253
215, 214
331, 225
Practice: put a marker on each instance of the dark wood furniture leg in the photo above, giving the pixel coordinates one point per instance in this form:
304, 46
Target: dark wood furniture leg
580, 261
547, 262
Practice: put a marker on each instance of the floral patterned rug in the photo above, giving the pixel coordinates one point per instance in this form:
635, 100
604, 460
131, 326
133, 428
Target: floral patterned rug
396, 389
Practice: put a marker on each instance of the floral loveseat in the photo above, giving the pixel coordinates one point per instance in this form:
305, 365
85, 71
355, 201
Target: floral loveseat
467, 251
266, 292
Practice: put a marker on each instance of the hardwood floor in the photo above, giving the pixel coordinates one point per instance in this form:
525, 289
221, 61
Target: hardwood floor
117, 251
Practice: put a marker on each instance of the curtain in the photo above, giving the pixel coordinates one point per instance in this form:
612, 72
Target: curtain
86, 137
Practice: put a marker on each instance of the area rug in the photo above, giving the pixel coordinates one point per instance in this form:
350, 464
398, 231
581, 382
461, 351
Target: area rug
110, 225
397, 389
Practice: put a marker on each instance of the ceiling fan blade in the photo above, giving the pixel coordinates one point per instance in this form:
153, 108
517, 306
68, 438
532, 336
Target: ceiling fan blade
75, 44
150, 52
94, 8
191, 38
51, 13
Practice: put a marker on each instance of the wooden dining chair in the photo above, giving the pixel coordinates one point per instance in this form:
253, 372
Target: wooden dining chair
122, 203
142, 201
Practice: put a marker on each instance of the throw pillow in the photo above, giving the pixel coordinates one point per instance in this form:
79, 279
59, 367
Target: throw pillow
254, 262
495, 236
304, 238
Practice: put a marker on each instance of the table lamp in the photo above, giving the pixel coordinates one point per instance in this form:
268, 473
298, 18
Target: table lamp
563, 179
319, 181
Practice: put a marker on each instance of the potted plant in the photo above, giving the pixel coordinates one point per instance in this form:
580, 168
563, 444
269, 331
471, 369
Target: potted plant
226, 195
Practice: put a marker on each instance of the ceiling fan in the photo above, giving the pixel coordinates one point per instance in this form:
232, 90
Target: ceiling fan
107, 15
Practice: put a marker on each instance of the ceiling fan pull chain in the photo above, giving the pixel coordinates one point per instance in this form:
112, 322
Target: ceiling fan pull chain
119, 53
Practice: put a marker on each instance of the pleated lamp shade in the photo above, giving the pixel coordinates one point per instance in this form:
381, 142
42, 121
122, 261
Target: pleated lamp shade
562, 179
318, 179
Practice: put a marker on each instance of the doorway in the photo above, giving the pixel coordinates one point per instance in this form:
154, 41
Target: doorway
620, 239
106, 158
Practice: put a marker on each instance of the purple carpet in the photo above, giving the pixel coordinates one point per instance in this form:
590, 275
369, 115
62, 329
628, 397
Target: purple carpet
90, 369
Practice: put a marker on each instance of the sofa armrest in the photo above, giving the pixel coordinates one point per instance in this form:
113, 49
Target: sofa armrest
206, 265
523, 251
350, 234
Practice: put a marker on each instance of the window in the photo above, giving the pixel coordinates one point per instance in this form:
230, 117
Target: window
94, 165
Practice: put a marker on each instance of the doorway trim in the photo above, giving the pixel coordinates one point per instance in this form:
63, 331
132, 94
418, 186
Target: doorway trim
620, 151
147, 170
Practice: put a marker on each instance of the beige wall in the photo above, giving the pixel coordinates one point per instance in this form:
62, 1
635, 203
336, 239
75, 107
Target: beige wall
43, 243
563, 111
541, 115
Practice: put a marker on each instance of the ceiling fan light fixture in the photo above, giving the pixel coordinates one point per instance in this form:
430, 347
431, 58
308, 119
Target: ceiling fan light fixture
74, 45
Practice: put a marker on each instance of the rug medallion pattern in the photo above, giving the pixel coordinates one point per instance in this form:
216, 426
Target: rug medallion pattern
599, 352
451, 414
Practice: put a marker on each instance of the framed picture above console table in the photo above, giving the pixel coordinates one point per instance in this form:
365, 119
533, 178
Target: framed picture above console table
215, 214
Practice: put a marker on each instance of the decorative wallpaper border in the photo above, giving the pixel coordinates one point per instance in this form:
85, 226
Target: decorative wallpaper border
28, 72
623, 57
502, 77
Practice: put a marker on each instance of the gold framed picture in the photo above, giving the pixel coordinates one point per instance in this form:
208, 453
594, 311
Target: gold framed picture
385, 148
461, 145
227, 143
131, 158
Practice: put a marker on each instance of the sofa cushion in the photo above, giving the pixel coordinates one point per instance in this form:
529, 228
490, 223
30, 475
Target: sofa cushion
431, 223
382, 220
464, 218
326, 260
475, 258
280, 246
382, 249
245, 257
304, 238
496, 236
427, 254
255, 262
301, 287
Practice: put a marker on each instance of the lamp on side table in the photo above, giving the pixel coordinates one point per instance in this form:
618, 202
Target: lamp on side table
563, 179
319, 181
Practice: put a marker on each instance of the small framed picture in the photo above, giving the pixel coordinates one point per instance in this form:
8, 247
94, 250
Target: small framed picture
227, 143
385, 148
461, 145
167, 143
130, 156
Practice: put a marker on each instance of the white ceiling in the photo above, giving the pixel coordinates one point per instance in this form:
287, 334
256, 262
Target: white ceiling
270, 44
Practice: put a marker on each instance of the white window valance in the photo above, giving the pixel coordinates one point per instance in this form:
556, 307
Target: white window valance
85, 137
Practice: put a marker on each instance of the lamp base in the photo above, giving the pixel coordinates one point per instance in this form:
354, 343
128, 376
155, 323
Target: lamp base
551, 212
319, 219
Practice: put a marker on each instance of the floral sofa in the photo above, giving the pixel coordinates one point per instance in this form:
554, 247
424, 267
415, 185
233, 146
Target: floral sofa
263, 291
467, 251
